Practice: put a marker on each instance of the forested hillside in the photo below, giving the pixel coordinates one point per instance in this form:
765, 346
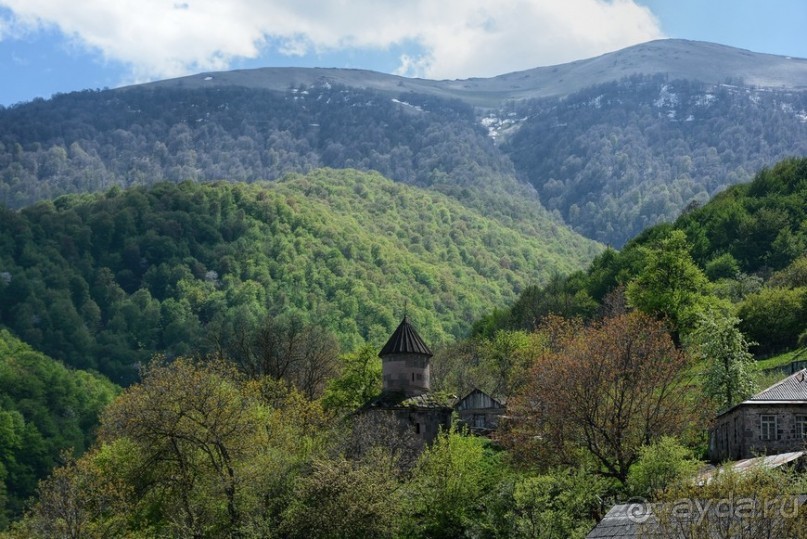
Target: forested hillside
45, 409
744, 252
105, 281
235, 256
203, 447
619, 157
90, 141
609, 160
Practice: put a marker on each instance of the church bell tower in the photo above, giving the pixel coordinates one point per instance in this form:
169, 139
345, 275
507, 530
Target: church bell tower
405, 362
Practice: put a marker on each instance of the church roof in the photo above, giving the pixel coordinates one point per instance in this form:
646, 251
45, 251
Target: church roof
405, 340
388, 400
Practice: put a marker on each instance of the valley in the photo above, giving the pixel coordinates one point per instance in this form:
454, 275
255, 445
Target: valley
197, 275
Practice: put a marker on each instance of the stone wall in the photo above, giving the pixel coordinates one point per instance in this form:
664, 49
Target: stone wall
738, 433
409, 373
424, 424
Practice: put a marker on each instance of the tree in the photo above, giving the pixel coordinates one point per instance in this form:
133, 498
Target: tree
368, 433
757, 503
45, 409
449, 485
774, 318
195, 427
505, 357
194, 450
717, 340
80, 500
670, 286
359, 382
288, 349
660, 465
343, 498
561, 504
608, 390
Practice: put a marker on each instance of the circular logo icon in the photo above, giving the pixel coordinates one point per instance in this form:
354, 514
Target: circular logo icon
638, 512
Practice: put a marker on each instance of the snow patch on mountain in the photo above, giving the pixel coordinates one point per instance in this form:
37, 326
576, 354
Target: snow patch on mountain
498, 127
666, 98
405, 104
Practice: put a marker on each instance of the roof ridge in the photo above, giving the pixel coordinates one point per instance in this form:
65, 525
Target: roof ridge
405, 340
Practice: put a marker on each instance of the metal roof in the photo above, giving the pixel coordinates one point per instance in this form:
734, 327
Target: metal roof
405, 340
639, 520
744, 465
626, 521
792, 388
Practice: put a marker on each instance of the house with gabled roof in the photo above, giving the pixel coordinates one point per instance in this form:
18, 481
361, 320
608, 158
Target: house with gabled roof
772, 421
480, 412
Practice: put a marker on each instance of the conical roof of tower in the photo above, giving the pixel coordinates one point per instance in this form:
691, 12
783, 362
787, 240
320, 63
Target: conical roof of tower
405, 340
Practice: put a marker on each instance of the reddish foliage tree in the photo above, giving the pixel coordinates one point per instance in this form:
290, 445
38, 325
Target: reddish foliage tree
607, 390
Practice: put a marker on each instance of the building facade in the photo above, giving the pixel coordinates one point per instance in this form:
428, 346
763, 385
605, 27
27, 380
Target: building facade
772, 421
479, 411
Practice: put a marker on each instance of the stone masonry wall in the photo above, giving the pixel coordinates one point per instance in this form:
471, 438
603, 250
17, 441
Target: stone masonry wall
738, 433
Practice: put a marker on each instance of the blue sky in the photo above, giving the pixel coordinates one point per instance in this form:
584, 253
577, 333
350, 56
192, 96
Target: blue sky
50, 46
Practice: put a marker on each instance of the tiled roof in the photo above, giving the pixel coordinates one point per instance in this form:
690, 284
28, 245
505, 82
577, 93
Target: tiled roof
405, 340
792, 388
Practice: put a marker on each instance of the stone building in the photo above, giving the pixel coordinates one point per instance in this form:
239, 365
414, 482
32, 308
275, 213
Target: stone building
406, 393
480, 412
772, 421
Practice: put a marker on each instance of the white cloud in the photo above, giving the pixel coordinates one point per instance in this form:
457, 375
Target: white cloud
455, 38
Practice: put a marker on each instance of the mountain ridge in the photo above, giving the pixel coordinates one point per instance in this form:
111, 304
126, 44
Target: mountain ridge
677, 58
607, 160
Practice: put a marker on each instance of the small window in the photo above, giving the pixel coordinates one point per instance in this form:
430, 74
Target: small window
417, 428
479, 421
801, 427
413, 377
736, 430
768, 424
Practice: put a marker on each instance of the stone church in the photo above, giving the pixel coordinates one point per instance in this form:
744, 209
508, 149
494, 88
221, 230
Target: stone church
406, 393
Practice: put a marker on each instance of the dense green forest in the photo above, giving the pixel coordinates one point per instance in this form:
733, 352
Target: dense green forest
196, 450
90, 141
105, 281
616, 158
224, 445
610, 160
45, 409
139, 240
745, 251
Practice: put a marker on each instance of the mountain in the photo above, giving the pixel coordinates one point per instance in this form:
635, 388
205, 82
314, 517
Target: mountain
708, 63
105, 281
608, 145
618, 157
89, 141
